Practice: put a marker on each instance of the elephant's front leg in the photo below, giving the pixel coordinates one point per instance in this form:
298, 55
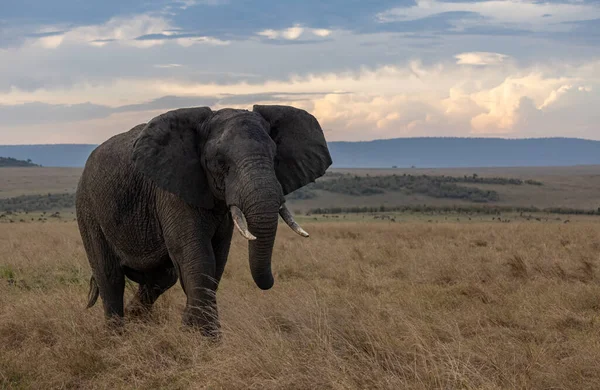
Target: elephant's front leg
195, 263
197, 274
187, 233
188, 239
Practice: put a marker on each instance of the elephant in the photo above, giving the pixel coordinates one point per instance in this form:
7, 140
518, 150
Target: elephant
159, 203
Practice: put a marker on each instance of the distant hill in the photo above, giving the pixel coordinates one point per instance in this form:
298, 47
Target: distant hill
13, 162
400, 152
465, 152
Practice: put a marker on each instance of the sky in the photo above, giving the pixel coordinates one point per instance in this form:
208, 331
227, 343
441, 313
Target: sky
79, 72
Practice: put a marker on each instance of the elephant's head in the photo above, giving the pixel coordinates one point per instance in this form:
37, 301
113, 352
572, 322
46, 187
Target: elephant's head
248, 159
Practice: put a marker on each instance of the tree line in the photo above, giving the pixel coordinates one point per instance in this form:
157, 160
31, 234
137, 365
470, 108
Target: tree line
9, 162
462, 209
436, 186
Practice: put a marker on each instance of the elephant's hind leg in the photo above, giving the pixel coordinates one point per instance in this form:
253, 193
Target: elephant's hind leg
106, 269
151, 286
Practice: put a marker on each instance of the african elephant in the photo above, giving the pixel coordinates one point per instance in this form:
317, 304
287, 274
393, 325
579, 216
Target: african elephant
159, 202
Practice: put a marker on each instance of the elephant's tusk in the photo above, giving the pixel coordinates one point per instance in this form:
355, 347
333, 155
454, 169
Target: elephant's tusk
240, 223
289, 219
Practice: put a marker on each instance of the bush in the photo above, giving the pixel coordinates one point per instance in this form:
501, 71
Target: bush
300, 194
434, 186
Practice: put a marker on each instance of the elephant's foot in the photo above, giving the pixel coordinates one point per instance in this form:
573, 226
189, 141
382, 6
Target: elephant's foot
136, 309
205, 320
115, 324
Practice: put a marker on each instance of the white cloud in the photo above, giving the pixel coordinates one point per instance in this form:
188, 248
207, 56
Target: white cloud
50, 42
186, 42
185, 4
507, 105
293, 33
167, 66
480, 58
269, 33
321, 32
555, 95
121, 31
532, 15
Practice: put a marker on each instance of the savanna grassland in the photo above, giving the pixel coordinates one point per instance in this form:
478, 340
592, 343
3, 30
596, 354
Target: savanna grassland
571, 187
30, 181
355, 306
376, 300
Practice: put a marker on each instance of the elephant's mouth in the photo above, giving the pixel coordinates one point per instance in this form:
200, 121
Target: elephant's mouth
239, 219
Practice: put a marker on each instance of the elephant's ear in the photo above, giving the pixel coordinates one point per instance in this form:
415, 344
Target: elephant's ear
167, 151
302, 153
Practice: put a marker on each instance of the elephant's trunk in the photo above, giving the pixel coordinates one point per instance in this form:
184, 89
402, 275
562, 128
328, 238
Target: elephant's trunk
264, 226
255, 211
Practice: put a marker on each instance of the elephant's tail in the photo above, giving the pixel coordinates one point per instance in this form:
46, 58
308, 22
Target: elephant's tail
93, 293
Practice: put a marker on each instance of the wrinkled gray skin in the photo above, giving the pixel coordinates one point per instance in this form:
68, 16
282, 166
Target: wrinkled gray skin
153, 203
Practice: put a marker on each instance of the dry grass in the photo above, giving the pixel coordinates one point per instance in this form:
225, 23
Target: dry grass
29, 181
358, 305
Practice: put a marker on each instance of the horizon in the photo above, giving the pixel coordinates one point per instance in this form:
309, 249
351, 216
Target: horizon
80, 73
372, 140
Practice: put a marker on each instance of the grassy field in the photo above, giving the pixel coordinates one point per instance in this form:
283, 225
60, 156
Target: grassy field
380, 300
358, 305
27, 181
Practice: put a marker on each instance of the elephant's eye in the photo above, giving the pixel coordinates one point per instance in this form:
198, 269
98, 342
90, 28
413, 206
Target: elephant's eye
217, 164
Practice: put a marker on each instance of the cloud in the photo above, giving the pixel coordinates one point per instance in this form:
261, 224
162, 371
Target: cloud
227, 20
556, 94
480, 58
369, 69
522, 14
185, 4
119, 29
42, 113
51, 41
167, 66
383, 102
185, 40
294, 32
321, 32
142, 31
503, 104
45, 113
271, 34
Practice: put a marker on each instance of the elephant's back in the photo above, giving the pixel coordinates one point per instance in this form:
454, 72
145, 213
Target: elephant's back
117, 149
107, 165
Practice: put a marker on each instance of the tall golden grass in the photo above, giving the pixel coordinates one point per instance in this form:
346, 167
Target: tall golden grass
356, 306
